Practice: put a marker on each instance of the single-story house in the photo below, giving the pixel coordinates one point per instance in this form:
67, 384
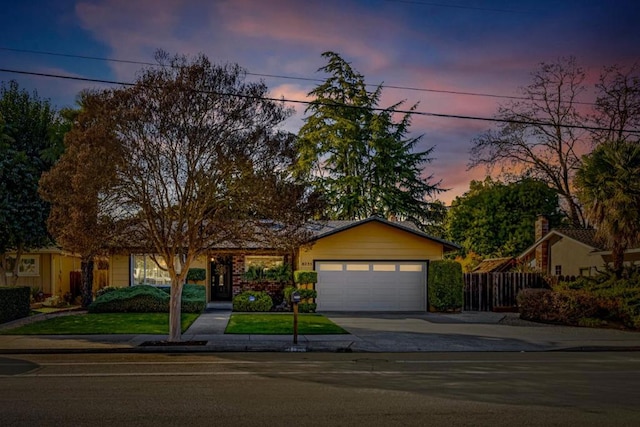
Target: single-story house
50, 270
569, 252
367, 265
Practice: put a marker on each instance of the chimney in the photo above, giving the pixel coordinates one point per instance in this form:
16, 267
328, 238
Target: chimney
542, 250
542, 227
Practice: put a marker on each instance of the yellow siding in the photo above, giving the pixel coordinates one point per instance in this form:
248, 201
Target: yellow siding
572, 256
119, 270
62, 266
371, 241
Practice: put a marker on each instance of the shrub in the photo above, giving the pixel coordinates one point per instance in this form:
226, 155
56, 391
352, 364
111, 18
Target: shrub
304, 276
196, 274
252, 301
445, 285
304, 293
105, 290
569, 307
278, 274
307, 307
148, 299
14, 303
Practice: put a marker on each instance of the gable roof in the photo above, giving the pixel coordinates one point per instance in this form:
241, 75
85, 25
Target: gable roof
584, 236
327, 228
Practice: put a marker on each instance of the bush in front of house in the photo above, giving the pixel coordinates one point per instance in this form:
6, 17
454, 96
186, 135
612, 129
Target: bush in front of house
14, 303
307, 297
105, 290
148, 299
572, 307
252, 301
586, 301
445, 285
196, 274
305, 276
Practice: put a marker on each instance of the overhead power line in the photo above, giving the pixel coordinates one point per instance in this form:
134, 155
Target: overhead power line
457, 6
331, 104
279, 76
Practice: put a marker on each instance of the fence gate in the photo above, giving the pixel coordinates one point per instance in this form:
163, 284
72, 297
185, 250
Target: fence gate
497, 291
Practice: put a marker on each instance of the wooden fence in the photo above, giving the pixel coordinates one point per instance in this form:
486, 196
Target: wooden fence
497, 291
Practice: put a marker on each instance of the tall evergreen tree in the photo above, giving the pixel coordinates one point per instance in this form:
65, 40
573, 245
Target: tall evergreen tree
358, 155
30, 141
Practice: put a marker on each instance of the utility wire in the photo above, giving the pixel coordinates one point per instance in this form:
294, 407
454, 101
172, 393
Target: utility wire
334, 104
457, 6
278, 76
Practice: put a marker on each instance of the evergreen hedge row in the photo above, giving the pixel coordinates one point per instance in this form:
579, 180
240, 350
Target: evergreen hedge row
446, 285
148, 299
14, 303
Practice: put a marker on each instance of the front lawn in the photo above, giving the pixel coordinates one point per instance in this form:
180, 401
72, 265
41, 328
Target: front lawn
103, 323
281, 324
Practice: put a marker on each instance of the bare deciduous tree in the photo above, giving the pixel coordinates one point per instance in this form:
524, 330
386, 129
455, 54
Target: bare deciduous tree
618, 104
538, 139
200, 162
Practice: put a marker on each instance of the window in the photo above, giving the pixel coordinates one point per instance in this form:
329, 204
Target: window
558, 270
29, 265
263, 261
147, 272
331, 267
410, 267
586, 271
384, 267
357, 267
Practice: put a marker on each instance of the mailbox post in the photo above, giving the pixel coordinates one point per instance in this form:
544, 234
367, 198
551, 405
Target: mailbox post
295, 299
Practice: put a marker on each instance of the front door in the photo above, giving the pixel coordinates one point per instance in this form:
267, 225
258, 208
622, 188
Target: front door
221, 279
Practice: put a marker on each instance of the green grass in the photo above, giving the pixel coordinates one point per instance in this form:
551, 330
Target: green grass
103, 323
280, 324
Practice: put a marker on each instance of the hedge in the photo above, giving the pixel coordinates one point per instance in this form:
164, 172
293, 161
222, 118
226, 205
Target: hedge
574, 307
252, 301
148, 299
14, 303
445, 285
304, 276
196, 274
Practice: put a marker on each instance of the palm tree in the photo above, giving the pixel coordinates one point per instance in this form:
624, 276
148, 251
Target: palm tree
608, 185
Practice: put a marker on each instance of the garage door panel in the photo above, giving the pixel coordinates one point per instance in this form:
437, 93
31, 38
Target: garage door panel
371, 286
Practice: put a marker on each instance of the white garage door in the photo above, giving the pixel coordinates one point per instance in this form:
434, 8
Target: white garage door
371, 286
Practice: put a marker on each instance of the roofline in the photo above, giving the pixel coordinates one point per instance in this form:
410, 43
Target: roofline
449, 246
548, 236
609, 252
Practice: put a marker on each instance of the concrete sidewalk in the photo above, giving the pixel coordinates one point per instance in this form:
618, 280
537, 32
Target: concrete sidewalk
368, 332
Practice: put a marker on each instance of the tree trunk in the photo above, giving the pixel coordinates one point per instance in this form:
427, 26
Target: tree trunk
12, 278
617, 254
175, 310
86, 265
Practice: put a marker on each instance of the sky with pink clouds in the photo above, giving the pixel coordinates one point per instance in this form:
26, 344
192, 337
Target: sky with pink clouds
471, 46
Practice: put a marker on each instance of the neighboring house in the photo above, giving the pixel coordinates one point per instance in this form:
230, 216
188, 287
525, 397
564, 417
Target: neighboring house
568, 252
50, 270
367, 265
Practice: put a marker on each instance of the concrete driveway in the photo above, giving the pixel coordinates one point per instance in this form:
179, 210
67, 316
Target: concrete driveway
472, 331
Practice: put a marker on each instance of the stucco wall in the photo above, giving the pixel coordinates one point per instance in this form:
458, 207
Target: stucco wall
370, 241
572, 256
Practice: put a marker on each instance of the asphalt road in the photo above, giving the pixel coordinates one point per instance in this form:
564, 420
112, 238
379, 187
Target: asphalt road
452, 389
